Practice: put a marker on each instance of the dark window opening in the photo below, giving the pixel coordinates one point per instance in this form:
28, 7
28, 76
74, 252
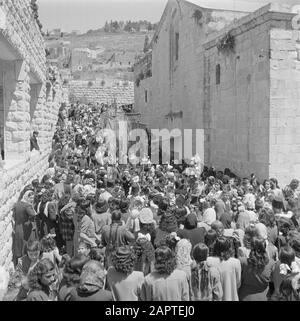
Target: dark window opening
176, 45
146, 96
218, 74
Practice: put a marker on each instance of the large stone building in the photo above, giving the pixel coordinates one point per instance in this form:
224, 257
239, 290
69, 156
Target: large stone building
29, 100
232, 74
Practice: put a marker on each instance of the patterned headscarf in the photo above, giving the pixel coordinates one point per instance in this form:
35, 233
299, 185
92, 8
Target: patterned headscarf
183, 253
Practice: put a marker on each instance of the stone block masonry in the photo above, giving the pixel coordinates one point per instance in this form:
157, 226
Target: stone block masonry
31, 94
245, 98
86, 92
12, 182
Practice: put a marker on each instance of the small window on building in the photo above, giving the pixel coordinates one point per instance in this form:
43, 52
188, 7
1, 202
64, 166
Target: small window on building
146, 96
176, 45
218, 74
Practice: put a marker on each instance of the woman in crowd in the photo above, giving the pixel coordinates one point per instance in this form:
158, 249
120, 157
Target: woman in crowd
229, 267
40, 281
124, 283
71, 276
24, 225
91, 284
205, 279
256, 272
172, 208
166, 283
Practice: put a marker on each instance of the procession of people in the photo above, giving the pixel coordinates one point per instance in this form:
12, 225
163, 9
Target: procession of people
89, 230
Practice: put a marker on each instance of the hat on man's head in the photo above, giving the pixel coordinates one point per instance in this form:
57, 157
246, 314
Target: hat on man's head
146, 216
101, 206
110, 183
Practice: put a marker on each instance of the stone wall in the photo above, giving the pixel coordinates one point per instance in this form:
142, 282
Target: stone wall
85, 92
11, 183
285, 103
177, 85
32, 96
237, 109
249, 120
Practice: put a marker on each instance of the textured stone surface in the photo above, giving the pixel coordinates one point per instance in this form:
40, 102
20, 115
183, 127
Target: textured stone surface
123, 94
28, 108
250, 119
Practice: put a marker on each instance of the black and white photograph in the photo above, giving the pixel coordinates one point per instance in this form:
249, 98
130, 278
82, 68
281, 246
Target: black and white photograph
150, 152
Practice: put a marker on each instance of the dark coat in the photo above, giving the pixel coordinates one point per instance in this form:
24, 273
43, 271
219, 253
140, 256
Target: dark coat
25, 228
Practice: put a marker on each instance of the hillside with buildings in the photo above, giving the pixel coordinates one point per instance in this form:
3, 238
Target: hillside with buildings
96, 55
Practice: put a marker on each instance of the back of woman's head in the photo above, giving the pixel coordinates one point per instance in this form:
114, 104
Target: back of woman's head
258, 257
222, 248
74, 268
294, 242
165, 260
267, 217
250, 233
116, 216
210, 240
48, 243
200, 252
287, 255
96, 254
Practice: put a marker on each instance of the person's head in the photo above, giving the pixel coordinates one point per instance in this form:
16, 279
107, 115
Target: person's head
277, 206
74, 268
48, 243
287, 255
92, 277
165, 260
84, 248
267, 217
274, 183
190, 222
222, 248
96, 254
116, 216
113, 204
42, 275
294, 242
289, 288
180, 214
33, 249
123, 259
101, 206
210, 240
28, 197
168, 222
200, 252
250, 233
258, 257
285, 225
35, 134
294, 184
143, 250
218, 227
267, 184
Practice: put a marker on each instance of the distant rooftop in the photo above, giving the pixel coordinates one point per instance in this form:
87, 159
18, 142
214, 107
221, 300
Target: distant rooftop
233, 5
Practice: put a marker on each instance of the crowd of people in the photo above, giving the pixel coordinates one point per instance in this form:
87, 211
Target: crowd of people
99, 232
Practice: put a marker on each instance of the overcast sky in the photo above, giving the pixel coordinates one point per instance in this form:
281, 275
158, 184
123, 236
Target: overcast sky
91, 14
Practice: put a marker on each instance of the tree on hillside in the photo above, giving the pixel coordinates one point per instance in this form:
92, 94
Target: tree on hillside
146, 43
115, 26
106, 27
128, 26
